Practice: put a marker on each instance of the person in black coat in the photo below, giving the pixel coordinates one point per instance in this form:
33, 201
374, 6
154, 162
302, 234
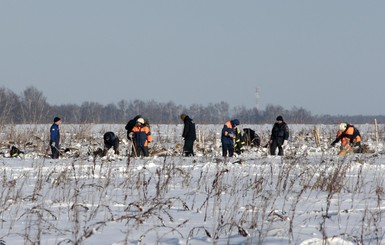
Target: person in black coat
252, 139
239, 141
189, 135
110, 140
279, 136
131, 124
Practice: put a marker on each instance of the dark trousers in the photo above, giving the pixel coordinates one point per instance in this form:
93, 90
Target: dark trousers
188, 148
273, 147
55, 152
141, 151
227, 148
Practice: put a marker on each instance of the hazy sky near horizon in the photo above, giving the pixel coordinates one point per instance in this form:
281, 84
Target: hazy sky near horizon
327, 57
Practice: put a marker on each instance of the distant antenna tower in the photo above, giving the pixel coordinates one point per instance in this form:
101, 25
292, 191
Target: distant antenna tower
257, 99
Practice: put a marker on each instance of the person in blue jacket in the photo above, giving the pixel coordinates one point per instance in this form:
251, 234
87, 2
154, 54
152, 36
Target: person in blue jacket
54, 138
228, 136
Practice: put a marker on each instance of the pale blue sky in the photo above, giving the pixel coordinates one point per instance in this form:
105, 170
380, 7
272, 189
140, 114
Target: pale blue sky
325, 56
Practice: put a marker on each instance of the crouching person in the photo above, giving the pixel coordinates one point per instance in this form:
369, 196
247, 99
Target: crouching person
252, 139
350, 139
110, 140
140, 136
15, 152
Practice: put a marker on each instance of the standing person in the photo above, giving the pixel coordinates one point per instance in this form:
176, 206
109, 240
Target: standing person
110, 140
189, 135
131, 124
54, 138
279, 136
350, 138
239, 142
228, 136
140, 136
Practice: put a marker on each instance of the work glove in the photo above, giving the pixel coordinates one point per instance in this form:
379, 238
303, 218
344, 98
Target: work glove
231, 135
53, 144
285, 143
333, 143
131, 135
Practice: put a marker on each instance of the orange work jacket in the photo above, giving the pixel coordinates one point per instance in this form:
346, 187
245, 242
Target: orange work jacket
352, 134
344, 140
142, 135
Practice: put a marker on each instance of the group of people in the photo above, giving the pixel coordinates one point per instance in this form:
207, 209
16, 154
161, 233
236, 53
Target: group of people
233, 141
139, 134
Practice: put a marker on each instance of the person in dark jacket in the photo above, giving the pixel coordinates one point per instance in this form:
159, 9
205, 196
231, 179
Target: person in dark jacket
131, 124
252, 139
54, 138
189, 135
110, 140
228, 136
279, 136
239, 141
15, 152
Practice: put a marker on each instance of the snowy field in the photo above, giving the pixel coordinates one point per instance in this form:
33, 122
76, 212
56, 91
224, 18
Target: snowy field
309, 196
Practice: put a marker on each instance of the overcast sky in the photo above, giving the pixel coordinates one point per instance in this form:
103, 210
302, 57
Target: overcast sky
325, 56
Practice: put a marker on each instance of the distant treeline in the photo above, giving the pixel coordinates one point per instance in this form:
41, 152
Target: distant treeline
31, 107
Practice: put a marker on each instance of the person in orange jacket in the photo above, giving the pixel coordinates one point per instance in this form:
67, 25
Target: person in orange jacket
228, 136
141, 136
350, 139
345, 146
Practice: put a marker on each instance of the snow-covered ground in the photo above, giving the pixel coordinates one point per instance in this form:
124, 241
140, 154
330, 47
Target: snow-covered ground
309, 196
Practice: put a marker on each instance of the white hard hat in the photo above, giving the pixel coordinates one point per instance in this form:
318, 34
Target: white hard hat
343, 126
140, 120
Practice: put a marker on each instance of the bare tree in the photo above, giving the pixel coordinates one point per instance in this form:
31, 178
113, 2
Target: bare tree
170, 114
300, 115
247, 115
9, 103
123, 107
216, 113
34, 106
91, 112
271, 113
31, 107
137, 107
70, 113
195, 112
110, 114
